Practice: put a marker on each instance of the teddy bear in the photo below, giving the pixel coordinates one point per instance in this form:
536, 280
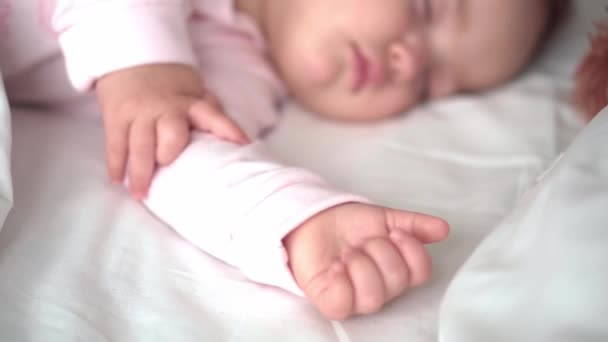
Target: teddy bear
591, 76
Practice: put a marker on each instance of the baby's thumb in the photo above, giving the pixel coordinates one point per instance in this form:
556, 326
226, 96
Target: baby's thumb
425, 228
207, 117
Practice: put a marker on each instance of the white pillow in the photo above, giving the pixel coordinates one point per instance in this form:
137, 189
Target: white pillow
542, 275
6, 186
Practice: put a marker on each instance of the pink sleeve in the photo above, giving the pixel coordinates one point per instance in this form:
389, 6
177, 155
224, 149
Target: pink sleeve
98, 37
238, 203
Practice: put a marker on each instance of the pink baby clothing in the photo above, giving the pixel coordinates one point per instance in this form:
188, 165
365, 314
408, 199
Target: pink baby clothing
234, 202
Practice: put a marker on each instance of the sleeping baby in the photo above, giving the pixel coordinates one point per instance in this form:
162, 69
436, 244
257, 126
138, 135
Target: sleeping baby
188, 87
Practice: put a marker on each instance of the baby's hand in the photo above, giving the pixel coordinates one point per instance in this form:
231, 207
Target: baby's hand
148, 112
354, 258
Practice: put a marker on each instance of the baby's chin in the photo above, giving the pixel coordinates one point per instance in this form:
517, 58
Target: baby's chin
350, 112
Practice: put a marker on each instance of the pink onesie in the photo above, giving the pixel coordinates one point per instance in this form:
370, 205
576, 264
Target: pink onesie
234, 202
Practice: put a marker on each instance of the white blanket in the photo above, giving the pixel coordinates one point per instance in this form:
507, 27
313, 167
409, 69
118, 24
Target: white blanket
543, 274
80, 261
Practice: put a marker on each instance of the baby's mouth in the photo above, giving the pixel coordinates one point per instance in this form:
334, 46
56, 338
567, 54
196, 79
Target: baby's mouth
360, 69
365, 71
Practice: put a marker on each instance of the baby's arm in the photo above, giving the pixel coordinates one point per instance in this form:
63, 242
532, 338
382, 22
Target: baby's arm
138, 57
287, 227
238, 203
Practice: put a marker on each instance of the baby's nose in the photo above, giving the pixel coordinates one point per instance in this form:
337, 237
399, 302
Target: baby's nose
406, 60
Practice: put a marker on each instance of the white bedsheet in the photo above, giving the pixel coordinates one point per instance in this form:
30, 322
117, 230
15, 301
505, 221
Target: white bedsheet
80, 261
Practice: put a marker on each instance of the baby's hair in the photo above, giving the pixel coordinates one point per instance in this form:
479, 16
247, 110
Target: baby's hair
558, 11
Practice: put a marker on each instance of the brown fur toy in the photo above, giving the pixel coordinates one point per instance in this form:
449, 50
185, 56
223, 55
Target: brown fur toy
591, 90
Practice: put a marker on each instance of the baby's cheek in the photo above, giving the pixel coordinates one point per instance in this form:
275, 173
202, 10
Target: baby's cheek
305, 66
441, 86
317, 72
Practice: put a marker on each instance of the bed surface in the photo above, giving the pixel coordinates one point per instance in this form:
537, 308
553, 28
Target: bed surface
80, 261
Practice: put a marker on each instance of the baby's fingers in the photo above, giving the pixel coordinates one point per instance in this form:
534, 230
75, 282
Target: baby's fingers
367, 282
390, 263
206, 116
142, 156
173, 134
332, 292
425, 228
415, 256
117, 141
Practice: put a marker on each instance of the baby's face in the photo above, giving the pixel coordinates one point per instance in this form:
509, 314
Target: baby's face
370, 59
